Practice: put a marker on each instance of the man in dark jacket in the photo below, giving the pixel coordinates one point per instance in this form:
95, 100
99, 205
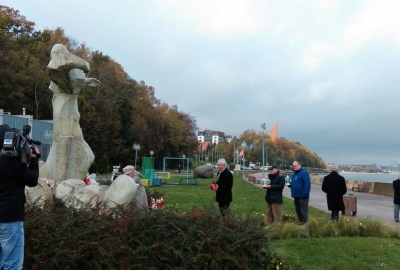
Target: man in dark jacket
273, 197
300, 189
396, 198
224, 186
334, 186
14, 176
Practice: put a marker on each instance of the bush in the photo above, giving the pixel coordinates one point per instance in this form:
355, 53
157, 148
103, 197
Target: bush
143, 239
323, 227
287, 230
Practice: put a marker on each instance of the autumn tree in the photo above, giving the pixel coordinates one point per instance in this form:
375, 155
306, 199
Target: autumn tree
118, 113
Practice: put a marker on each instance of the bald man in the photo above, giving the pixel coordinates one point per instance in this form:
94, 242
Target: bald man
300, 189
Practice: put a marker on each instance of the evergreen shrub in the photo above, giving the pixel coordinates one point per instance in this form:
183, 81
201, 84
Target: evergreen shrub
67, 238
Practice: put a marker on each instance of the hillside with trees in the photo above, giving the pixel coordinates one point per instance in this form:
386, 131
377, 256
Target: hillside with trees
117, 114
281, 151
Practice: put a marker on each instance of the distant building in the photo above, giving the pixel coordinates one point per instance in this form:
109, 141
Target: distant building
213, 137
204, 146
42, 130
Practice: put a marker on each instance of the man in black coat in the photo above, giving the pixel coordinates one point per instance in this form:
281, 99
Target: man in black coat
396, 198
224, 186
334, 186
273, 197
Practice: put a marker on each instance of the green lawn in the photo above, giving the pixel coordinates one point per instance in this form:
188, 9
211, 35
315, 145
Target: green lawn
340, 252
246, 196
302, 253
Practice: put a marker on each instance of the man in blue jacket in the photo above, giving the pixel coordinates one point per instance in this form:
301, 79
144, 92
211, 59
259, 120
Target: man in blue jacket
300, 189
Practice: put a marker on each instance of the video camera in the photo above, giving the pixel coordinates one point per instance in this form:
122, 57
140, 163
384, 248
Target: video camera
17, 144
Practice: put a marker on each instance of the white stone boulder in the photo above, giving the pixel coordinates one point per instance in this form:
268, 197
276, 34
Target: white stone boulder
203, 171
41, 195
88, 196
67, 188
121, 192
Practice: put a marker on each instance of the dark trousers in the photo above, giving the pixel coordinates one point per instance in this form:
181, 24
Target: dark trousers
301, 207
223, 207
335, 215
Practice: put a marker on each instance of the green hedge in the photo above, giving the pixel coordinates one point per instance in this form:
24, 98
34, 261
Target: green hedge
65, 238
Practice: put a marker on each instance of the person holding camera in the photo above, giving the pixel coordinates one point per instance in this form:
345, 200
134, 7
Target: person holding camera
14, 176
273, 196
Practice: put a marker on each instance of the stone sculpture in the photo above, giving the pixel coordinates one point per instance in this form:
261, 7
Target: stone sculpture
70, 156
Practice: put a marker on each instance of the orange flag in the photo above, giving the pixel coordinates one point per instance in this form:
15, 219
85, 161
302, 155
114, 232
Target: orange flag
241, 153
274, 132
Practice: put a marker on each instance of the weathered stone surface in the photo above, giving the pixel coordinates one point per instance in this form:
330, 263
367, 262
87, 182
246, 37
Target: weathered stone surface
66, 189
204, 171
40, 195
88, 196
140, 196
121, 192
41, 163
70, 156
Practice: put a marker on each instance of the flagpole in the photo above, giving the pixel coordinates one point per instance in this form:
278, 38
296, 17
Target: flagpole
234, 148
237, 154
243, 146
263, 147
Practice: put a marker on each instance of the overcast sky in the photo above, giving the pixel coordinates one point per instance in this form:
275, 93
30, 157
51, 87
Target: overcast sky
328, 71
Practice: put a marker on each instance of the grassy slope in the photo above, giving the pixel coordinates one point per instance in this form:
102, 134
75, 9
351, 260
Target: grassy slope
246, 197
340, 252
307, 253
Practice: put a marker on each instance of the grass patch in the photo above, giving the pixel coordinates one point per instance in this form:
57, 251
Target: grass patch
246, 197
340, 252
350, 243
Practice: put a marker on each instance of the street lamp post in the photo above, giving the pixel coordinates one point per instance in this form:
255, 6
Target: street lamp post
243, 146
152, 160
262, 131
183, 161
237, 155
234, 148
136, 147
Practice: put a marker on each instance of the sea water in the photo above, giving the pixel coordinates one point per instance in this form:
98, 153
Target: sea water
369, 177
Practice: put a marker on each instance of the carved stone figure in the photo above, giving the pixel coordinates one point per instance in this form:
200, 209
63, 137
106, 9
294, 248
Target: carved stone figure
70, 156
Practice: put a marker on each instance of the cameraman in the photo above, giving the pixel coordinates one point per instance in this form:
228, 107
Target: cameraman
14, 176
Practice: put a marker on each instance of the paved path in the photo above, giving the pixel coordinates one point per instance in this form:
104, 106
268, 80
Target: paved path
368, 205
